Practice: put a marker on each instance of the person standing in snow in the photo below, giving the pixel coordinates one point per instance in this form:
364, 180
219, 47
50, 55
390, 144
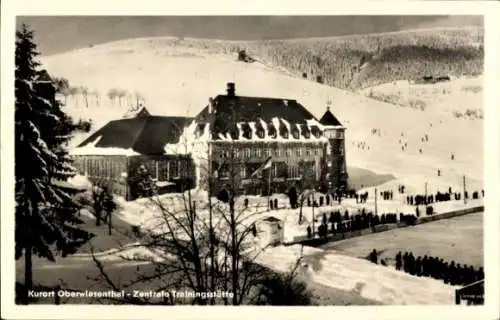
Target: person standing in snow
399, 261
373, 256
418, 266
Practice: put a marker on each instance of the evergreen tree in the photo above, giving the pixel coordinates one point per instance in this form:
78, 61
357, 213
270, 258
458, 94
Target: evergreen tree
45, 211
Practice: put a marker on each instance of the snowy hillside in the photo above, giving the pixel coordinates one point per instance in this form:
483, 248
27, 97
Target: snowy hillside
459, 98
408, 143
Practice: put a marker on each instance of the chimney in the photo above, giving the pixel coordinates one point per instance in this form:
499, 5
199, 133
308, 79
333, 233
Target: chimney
230, 89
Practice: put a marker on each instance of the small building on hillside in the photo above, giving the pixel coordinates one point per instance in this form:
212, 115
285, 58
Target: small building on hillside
271, 231
113, 155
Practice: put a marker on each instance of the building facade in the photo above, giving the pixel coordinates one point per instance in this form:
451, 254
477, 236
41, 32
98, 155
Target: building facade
248, 145
113, 155
242, 133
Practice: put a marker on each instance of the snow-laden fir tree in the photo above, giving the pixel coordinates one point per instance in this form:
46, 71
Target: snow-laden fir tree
46, 216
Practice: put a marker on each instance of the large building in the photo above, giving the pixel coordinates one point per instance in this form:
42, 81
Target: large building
252, 145
113, 154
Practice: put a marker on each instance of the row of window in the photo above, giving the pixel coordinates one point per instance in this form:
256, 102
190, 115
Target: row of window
162, 170
278, 170
102, 168
165, 170
268, 152
272, 132
340, 149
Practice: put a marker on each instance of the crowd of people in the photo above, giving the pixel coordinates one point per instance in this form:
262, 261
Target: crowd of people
420, 199
342, 223
451, 273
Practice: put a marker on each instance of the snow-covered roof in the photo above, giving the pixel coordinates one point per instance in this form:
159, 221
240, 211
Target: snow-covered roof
144, 134
236, 117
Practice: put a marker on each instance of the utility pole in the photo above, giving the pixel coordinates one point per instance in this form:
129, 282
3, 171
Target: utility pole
269, 189
465, 200
313, 228
376, 207
425, 201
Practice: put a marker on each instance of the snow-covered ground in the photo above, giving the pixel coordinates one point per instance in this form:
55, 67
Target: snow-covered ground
371, 281
147, 213
330, 268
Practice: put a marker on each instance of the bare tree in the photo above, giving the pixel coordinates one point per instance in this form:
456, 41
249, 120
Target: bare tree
201, 243
97, 96
112, 94
309, 183
139, 99
74, 91
121, 94
62, 87
85, 92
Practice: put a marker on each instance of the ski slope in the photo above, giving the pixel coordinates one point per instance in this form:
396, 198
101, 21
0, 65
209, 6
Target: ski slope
176, 80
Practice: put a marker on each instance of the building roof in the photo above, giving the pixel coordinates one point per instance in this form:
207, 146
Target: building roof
231, 110
328, 119
144, 134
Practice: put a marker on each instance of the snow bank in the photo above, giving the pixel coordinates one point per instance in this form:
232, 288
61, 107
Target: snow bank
371, 281
80, 182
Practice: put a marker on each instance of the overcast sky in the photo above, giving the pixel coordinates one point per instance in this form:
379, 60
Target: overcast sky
63, 33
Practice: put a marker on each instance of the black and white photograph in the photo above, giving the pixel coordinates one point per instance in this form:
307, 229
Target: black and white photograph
247, 160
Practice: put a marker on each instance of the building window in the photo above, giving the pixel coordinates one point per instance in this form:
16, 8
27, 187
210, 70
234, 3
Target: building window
293, 171
102, 172
236, 153
308, 151
277, 152
288, 152
156, 170
280, 169
248, 152
90, 166
258, 152
173, 169
112, 170
341, 150
243, 171
299, 152
163, 171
